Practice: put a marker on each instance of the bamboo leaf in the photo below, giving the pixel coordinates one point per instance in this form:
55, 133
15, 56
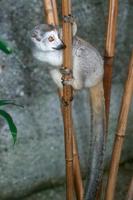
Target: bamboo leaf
8, 102
4, 47
11, 124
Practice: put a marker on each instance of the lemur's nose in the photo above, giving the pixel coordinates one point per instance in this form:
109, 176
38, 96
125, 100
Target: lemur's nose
63, 45
60, 46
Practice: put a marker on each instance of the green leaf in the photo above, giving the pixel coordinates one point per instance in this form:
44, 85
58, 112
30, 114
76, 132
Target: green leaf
8, 102
4, 47
11, 124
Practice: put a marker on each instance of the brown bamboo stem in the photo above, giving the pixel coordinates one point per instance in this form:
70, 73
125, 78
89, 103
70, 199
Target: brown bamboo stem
120, 133
78, 182
50, 10
109, 53
54, 5
130, 191
52, 18
108, 61
67, 96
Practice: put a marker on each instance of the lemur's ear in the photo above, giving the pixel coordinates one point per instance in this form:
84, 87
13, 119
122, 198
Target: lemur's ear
42, 28
74, 29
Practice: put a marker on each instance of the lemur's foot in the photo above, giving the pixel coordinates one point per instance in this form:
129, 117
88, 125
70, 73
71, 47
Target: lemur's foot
68, 82
76, 84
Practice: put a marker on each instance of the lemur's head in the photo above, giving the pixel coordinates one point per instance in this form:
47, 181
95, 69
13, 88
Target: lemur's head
46, 38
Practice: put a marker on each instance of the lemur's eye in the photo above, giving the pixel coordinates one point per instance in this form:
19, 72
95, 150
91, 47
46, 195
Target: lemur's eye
51, 39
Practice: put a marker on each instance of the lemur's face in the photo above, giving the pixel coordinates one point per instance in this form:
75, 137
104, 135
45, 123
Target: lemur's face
46, 40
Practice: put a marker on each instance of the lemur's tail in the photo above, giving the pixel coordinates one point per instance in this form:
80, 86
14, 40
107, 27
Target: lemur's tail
98, 131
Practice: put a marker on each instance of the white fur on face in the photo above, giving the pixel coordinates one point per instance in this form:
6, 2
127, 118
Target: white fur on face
47, 45
47, 41
54, 58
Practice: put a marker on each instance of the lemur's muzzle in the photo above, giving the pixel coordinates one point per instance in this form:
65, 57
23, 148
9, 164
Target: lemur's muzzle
60, 46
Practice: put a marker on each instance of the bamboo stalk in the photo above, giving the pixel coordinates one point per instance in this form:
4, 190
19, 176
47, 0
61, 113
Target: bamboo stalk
55, 12
130, 191
108, 62
120, 133
109, 53
78, 182
52, 18
67, 96
50, 10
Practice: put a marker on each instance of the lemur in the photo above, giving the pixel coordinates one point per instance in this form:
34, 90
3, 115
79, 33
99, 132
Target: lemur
87, 73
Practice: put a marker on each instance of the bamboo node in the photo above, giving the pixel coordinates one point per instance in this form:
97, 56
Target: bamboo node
69, 160
108, 60
68, 18
120, 135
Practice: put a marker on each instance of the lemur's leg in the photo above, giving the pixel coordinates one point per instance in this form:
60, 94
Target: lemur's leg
56, 76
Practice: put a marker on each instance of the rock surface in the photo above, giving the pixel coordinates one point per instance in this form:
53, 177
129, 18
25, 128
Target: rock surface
37, 159
58, 193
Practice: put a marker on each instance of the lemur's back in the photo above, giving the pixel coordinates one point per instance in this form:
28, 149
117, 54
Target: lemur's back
88, 61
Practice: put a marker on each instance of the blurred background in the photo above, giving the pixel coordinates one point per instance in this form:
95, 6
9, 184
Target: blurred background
34, 168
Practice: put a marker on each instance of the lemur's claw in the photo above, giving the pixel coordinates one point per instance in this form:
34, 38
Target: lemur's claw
65, 71
68, 18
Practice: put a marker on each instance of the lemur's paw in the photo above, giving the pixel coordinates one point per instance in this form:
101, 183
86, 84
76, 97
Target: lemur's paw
65, 71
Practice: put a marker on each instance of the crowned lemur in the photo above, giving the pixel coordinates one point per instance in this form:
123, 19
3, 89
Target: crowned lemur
87, 73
